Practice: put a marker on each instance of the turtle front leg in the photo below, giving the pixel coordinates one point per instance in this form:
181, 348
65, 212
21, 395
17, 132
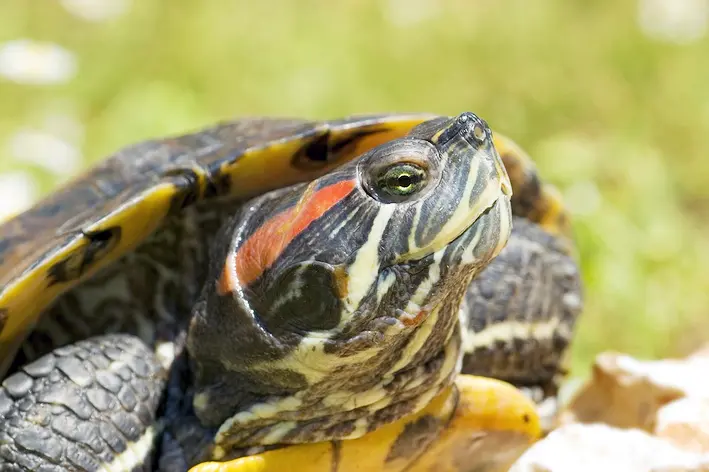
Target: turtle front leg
184, 441
90, 406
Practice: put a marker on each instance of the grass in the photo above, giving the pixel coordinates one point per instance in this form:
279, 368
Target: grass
616, 119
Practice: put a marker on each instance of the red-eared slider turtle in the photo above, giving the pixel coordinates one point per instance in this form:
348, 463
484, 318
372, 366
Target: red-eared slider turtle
268, 286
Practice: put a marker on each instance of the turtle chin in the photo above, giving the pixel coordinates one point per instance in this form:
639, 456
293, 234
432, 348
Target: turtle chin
486, 237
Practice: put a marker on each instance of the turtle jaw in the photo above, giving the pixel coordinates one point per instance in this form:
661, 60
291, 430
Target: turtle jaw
478, 243
449, 272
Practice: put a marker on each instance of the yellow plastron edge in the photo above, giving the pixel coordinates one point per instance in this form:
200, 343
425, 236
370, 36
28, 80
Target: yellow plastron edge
492, 424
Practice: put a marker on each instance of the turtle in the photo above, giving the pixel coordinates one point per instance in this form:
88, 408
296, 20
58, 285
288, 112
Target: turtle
266, 286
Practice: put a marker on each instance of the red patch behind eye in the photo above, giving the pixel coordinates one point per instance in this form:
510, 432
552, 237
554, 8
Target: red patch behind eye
264, 246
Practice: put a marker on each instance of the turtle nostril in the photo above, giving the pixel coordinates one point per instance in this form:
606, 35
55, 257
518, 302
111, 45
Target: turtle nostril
479, 133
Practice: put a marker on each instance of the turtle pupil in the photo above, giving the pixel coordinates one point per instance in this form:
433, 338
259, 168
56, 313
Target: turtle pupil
405, 180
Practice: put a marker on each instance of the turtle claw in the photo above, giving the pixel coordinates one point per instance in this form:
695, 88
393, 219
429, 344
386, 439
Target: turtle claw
494, 423
479, 424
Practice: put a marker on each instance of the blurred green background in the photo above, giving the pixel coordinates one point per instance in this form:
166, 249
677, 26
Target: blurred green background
611, 98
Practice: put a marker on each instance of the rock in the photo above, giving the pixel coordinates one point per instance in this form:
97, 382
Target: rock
547, 410
685, 423
702, 352
627, 393
598, 447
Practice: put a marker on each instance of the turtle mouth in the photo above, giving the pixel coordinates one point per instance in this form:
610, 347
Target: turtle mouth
503, 223
472, 234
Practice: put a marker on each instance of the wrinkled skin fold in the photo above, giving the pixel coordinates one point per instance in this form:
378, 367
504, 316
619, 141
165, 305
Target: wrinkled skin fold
478, 424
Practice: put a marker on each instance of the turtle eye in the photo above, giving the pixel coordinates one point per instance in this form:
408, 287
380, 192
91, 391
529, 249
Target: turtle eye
401, 180
397, 182
400, 171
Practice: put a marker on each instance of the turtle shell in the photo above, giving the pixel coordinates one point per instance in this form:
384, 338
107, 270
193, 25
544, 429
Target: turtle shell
111, 209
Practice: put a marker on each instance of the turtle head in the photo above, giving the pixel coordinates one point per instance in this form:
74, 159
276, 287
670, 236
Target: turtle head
336, 301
